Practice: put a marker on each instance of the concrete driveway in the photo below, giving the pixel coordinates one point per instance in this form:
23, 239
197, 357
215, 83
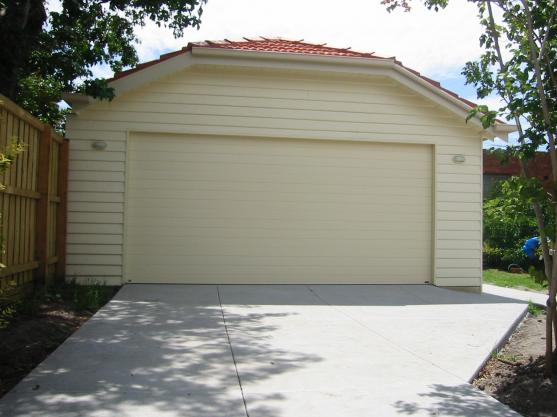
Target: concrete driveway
274, 351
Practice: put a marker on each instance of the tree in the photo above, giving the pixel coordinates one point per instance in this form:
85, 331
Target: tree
47, 52
519, 64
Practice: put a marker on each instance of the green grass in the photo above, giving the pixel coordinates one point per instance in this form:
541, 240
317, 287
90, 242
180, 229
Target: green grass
506, 279
534, 309
506, 357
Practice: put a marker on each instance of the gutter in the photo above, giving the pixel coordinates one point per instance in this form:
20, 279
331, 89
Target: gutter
78, 101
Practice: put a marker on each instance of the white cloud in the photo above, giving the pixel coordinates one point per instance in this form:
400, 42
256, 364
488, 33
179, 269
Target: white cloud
102, 71
493, 102
54, 6
433, 43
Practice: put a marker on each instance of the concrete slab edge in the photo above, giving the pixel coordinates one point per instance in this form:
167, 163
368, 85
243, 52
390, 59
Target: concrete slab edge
543, 305
500, 343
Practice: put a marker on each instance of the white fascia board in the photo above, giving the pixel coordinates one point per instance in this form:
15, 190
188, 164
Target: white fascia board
150, 74
501, 131
77, 101
284, 60
134, 80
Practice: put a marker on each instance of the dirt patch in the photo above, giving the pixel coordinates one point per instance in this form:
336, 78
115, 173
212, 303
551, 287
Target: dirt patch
514, 375
30, 338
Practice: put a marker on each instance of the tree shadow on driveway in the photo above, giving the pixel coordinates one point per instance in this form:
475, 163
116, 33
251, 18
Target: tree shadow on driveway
165, 355
458, 401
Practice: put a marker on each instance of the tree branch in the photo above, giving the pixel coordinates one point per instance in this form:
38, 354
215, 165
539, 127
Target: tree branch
546, 36
495, 35
551, 74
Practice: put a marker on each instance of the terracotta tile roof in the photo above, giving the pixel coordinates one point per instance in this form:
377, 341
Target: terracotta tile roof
262, 45
278, 45
284, 46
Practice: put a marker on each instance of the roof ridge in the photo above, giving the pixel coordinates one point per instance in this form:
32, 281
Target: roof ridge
247, 41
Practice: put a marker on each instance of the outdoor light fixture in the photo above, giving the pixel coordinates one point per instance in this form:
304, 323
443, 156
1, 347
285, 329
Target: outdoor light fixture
99, 145
459, 159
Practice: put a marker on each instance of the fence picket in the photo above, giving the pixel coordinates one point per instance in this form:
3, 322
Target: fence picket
33, 203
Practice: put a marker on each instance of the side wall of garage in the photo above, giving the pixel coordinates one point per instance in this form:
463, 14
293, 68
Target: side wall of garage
274, 105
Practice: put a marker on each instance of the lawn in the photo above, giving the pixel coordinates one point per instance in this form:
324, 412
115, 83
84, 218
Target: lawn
506, 279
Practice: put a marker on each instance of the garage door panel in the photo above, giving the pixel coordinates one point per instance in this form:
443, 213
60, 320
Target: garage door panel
287, 210
319, 213
348, 237
246, 227
264, 146
191, 188
244, 172
316, 211
206, 249
285, 275
306, 246
184, 247
346, 262
273, 197
178, 178
291, 270
174, 161
421, 222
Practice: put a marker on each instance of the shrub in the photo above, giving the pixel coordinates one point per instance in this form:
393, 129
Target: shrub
501, 258
534, 309
89, 297
538, 275
508, 221
504, 228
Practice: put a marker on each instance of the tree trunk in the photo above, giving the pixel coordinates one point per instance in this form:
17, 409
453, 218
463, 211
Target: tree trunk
549, 338
555, 328
20, 29
535, 61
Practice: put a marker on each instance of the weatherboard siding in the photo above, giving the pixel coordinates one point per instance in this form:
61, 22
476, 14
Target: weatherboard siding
256, 104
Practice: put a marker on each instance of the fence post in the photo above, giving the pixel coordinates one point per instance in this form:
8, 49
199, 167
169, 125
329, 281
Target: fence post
62, 210
43, 204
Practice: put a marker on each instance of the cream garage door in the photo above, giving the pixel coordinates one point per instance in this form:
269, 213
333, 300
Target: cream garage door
276, 211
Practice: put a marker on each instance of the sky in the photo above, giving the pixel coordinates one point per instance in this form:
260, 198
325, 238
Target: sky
437, 44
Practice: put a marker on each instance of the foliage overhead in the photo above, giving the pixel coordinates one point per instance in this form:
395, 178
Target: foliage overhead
54, 51
406, 4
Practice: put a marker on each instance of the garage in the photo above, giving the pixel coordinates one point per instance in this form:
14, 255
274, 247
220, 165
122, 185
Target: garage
243, 211
270, 161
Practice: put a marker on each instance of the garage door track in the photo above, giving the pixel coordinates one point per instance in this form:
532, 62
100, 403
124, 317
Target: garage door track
274, 351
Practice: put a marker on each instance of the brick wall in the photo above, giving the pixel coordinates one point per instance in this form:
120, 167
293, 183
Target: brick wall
494, 169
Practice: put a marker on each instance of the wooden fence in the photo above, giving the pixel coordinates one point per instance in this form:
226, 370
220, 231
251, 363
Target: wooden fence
33, 203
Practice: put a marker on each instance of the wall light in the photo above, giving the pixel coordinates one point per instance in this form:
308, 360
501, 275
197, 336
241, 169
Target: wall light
459, 159
99, 145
